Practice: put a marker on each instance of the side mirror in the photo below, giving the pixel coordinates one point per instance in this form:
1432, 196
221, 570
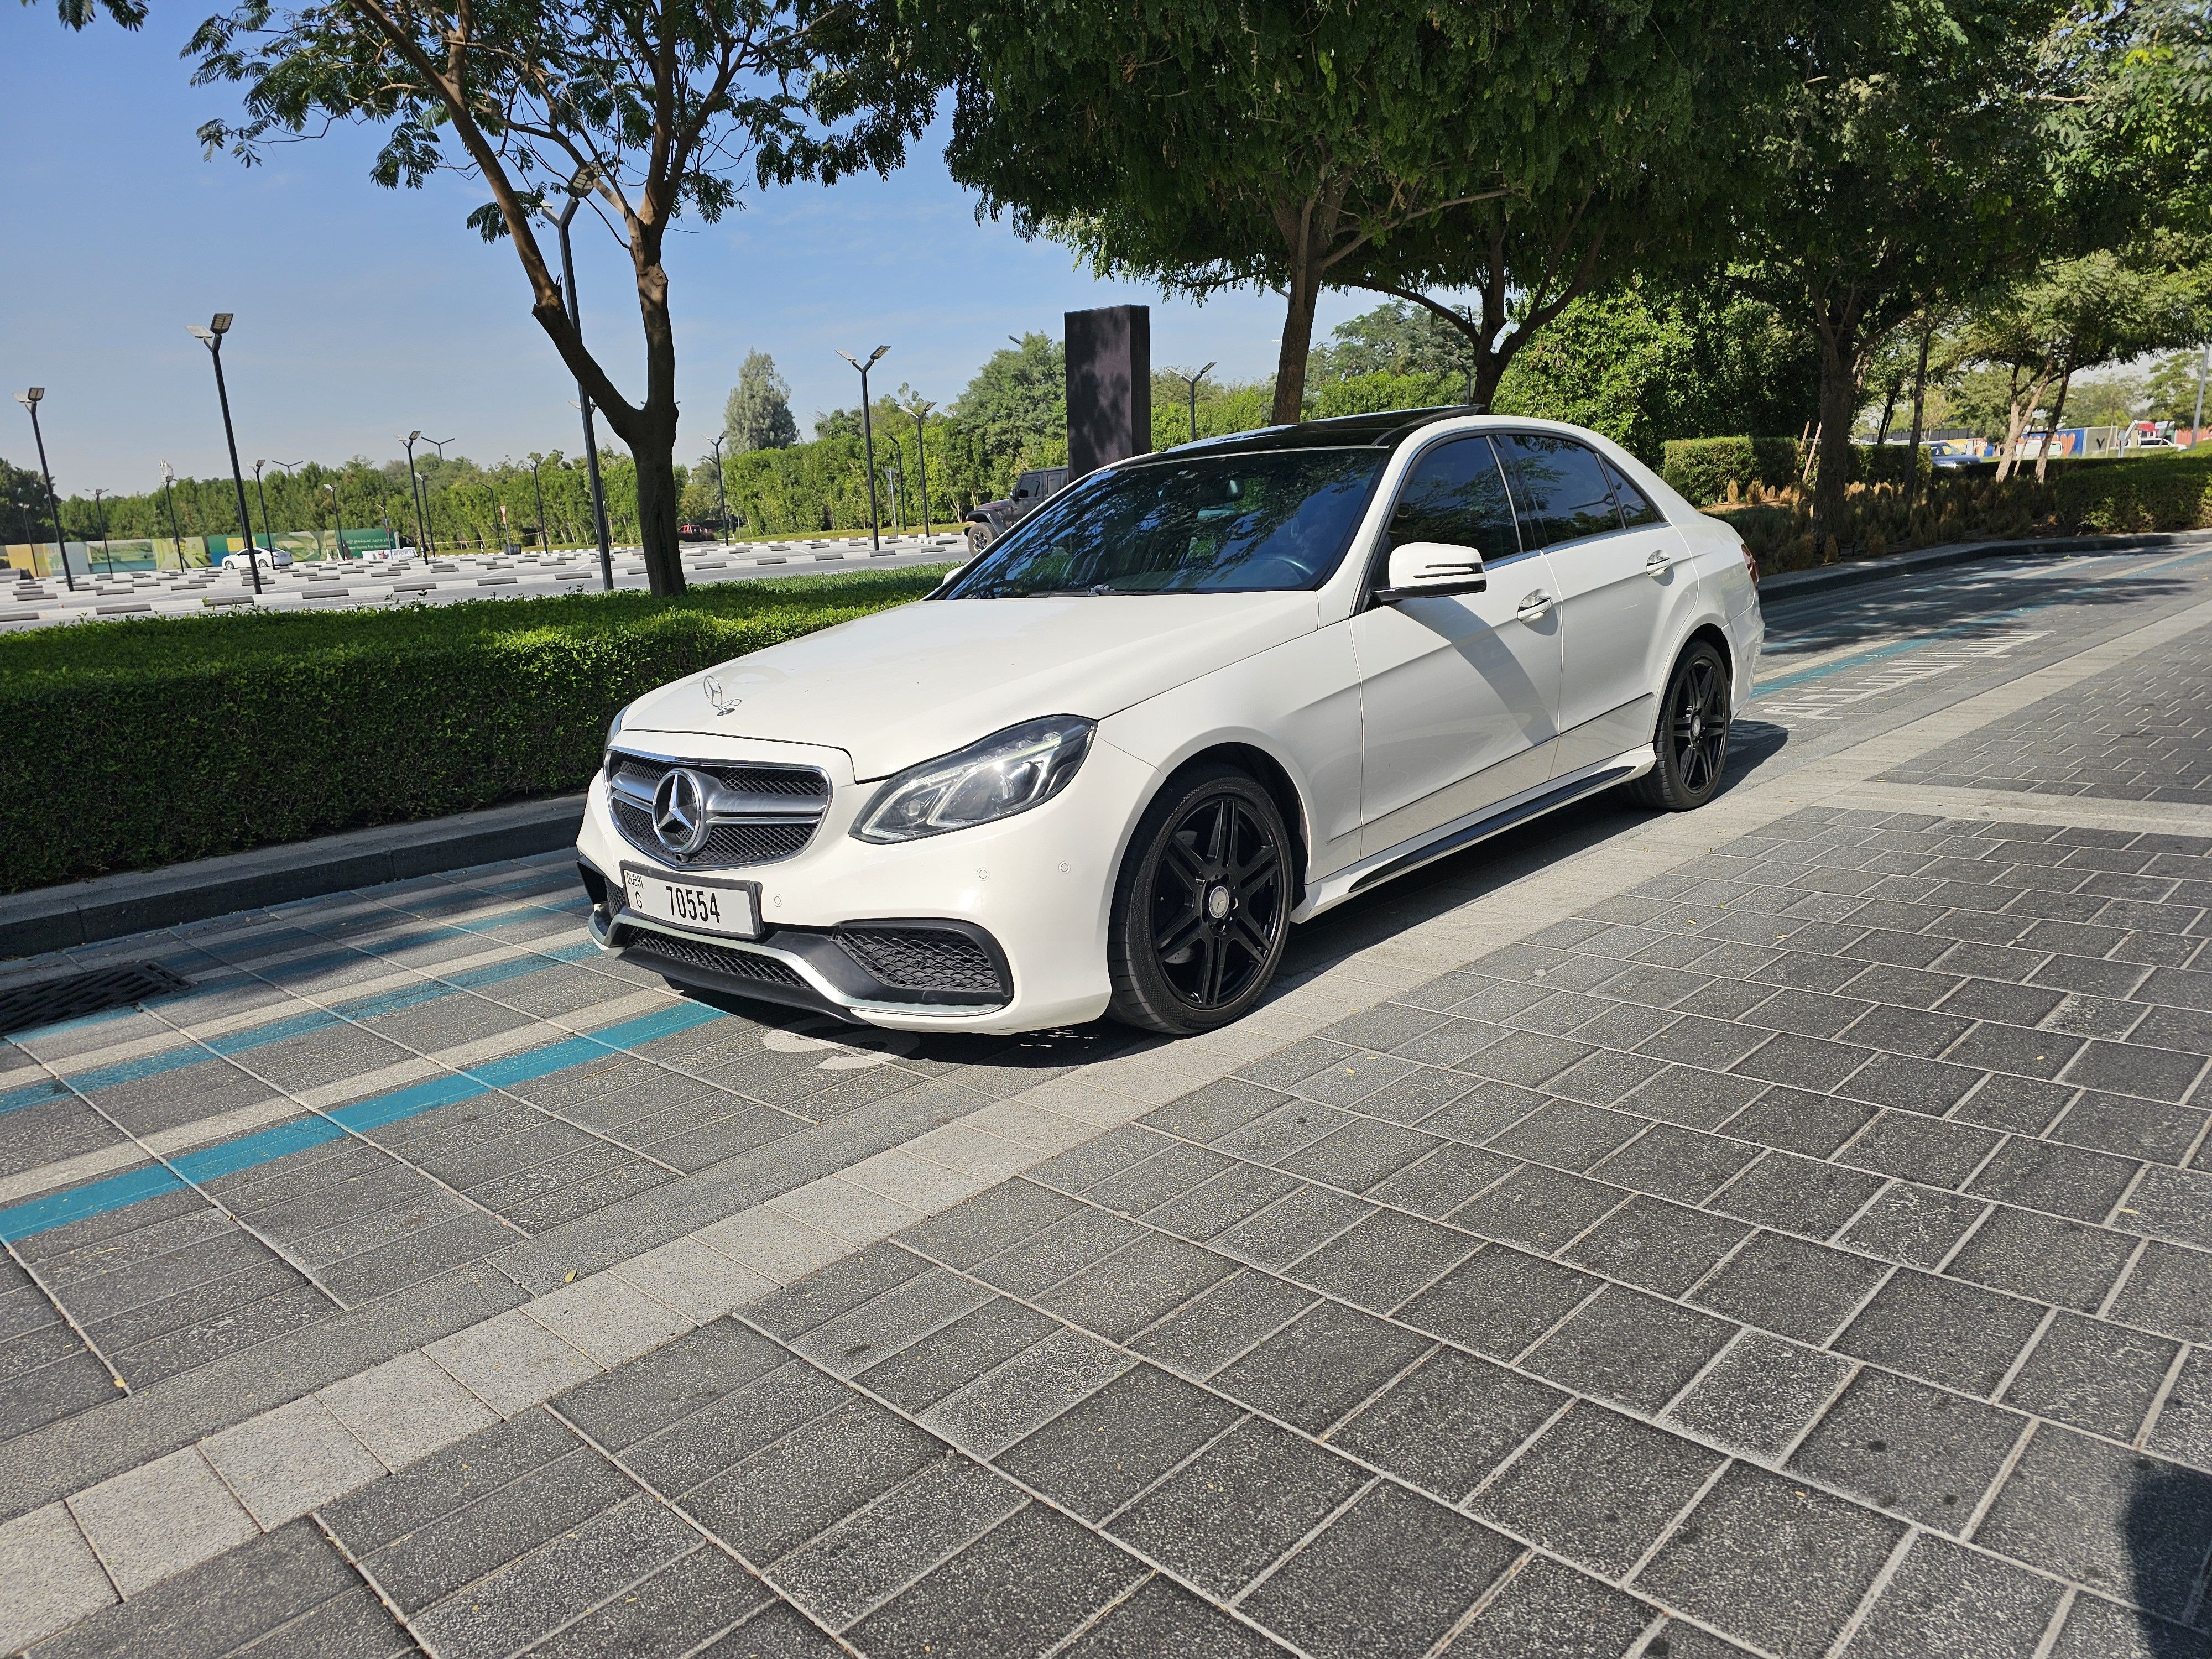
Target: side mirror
1420, 569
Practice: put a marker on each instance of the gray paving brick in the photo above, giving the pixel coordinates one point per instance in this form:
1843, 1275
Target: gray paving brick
1499, 1301
624, 1406
1485, 1110
1440, 1182
1053, 1253
1022, 1588
1034, 1386
1103, 1451
1321, 1365
1214, 1206
1550, 1610
1662, 1247
1798, 1121
1787, 1285
688, 1601
1629, 1348
1754, 1530
918, 1376
1147, 1279
2098, 1629
2044, 1257
1205, 1334
2131, 1127
2170, 1292
697, 1448
1293, 1224
1175, 1168
1162, 1617
1449, 1422
1682, 1164
2064, 1180
844, 1285
2115, 1520
1946, 1603
1760, 1393
1209, 1113
1275, 1135
863, 1561
1360, 1154
907, 1312
1226, 1516
2017, 1105
2170, 1204
1438, 1563
1796, 1194
2093, 1375
1597, 1487
802, 1484
1948, 1333
1540, 1207
1383, 1261
1924, 1453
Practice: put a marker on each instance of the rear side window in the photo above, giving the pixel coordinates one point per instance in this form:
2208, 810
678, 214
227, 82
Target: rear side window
1635, 507
1560, 488
1455, 494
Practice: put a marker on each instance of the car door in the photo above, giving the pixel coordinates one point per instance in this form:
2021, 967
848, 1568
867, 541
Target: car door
1613, 577
1458, 693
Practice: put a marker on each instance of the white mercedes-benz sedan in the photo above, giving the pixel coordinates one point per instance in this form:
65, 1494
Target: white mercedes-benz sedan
1195, 697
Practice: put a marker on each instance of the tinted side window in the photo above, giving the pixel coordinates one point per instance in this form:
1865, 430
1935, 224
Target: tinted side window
1635, 507
1454, 494
1559, 488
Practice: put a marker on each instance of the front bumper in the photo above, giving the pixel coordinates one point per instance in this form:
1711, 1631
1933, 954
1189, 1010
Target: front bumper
1031, 894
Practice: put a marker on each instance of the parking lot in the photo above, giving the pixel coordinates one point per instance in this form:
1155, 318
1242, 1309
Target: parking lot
1783, 1229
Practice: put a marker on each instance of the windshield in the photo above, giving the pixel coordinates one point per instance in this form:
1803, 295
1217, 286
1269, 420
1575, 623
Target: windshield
1215, 524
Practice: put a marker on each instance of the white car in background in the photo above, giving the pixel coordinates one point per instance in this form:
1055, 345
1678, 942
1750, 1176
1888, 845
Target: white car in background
268, 559
1199, 696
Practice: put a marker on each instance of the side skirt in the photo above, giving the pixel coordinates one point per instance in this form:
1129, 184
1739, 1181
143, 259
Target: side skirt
1332, 890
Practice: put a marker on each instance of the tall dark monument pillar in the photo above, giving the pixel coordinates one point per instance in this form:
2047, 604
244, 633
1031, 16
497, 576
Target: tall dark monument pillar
1110, 386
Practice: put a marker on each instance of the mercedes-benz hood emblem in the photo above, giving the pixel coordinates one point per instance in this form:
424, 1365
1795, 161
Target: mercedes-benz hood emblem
679, 811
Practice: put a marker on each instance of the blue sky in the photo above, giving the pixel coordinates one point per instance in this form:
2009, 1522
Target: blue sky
363, 312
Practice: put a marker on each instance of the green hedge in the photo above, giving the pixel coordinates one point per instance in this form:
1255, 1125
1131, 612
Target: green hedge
1701, 469
132, 744
2136, 493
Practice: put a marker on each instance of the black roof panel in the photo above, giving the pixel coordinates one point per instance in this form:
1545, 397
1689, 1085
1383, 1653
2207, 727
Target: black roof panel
1383, 430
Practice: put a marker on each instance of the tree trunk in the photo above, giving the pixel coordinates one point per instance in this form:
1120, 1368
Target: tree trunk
1839, 386
1297, 339
653, 443
1889, 409
2058, 409
1919, 408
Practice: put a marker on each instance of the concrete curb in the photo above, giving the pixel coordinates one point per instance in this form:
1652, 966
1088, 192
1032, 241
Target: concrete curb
111, 907
1801, 584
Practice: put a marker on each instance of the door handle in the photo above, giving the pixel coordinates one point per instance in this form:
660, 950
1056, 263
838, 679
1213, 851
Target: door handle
1657, 563
1534, 607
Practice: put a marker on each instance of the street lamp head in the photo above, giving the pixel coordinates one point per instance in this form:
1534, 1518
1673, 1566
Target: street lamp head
220, 324
415, 437
876, 355
31, 397
204, 336
1202, 372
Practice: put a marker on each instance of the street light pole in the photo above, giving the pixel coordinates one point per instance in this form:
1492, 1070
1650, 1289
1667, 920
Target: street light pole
338, 519
169, 495
721, 495
2196, 425
211, 337
30, 401
868, 442
437, 444
99, 506
261, 497
577, 189
920, 407
539, 489
414, 491
1191, 381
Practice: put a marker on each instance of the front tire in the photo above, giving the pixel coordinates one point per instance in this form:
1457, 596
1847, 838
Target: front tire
1202, 906
1692, 738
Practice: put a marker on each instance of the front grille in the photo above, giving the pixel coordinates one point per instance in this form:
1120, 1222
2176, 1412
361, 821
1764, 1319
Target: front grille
922, 959
732, 964
786, 810
728, 844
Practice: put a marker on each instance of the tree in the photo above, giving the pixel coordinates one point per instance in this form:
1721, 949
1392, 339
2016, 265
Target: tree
758, 413
1254, 141
2172, 392
1395, 338
1899, 173
645, 110
2076, 314
1015, 409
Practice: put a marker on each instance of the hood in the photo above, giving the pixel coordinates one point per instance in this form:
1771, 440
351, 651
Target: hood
905, 685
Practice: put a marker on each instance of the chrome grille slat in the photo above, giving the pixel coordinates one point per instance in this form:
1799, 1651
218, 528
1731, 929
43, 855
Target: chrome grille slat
759, 812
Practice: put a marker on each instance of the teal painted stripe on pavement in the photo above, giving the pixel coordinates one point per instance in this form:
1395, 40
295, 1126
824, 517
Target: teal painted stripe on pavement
227, 1158
283, 1030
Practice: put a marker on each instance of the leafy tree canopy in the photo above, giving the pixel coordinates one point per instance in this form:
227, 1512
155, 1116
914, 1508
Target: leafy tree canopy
1017, 403
758, 413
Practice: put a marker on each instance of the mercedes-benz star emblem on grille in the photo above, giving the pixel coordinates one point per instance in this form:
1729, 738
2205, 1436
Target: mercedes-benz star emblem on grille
679, 811
720, 701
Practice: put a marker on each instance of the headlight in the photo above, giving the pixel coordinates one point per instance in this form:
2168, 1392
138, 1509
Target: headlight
1008, 772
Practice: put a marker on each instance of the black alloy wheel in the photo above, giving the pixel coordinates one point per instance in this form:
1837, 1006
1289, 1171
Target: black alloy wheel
1691, 741
1202, 909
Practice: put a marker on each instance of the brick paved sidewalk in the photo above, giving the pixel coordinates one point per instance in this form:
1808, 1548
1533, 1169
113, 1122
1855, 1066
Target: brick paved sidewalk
1804, 1251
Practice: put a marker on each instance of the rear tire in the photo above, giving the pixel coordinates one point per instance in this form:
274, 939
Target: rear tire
1202, 906
1692, 737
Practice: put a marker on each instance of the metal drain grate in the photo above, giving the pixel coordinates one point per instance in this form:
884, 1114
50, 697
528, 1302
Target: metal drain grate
50, 1001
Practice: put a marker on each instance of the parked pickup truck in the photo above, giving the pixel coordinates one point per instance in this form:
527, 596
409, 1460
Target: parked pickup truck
987, 523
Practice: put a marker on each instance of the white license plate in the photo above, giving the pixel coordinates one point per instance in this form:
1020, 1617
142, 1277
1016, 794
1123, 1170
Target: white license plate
704, 907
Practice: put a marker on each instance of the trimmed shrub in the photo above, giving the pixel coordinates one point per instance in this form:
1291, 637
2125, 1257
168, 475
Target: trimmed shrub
1700, 469
129, 745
